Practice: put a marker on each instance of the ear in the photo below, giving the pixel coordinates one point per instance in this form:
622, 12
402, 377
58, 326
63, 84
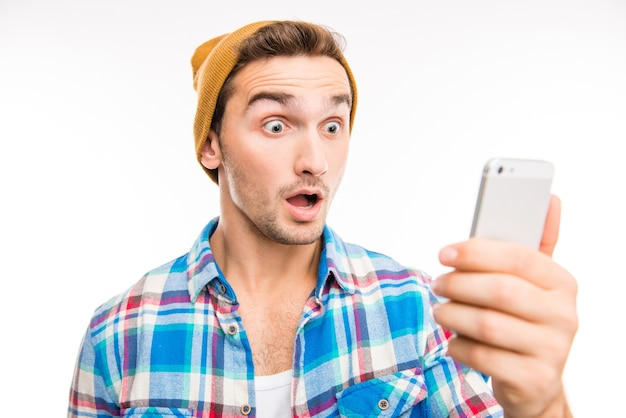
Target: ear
211, 156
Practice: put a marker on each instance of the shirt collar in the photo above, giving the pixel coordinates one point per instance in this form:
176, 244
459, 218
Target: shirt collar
202, 270
201, 266
334, 263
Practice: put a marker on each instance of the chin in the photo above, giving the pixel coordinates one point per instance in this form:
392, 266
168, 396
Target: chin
296, 235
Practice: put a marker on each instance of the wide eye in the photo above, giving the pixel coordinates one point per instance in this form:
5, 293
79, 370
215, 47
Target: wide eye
332, 127
274, 126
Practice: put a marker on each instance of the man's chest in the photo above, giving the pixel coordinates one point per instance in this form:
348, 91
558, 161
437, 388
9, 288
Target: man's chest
210, 355
271, 330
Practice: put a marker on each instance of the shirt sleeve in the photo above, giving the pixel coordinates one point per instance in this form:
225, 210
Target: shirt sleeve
89, 394
453, 388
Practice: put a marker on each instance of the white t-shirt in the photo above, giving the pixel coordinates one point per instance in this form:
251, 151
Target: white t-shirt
273, 395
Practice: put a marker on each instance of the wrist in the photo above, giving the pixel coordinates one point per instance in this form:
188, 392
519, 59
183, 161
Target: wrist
559, 408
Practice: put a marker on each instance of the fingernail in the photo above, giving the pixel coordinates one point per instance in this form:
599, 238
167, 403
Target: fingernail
435, 285
448, 254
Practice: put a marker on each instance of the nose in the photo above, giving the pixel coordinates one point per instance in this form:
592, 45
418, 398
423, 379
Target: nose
311, 158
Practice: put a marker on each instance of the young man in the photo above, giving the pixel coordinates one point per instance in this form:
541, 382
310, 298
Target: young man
271, 314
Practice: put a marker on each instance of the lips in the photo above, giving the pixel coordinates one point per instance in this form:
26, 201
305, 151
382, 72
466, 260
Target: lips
303, 200
305, 205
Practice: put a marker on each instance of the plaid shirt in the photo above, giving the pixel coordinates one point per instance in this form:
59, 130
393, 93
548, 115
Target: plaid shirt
366, 345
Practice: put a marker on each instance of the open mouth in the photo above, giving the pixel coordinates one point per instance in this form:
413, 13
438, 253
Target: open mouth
304, 200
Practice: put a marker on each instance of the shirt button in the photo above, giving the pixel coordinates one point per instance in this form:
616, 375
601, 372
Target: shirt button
383, 404
232, 330
245, 409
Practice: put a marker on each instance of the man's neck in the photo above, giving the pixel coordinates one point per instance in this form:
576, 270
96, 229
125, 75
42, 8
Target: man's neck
256, 264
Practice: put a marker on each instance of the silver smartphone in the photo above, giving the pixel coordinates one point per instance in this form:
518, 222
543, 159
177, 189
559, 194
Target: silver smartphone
513, 200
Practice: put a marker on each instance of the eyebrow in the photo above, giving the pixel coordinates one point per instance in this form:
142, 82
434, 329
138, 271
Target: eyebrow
282, 98
285, 98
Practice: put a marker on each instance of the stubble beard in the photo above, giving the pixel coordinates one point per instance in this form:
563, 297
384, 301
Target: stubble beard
262, 212
303, 234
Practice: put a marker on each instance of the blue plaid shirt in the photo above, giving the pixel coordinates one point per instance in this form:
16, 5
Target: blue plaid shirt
366, 345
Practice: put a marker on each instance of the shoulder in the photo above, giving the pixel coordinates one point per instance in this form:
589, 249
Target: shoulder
159, 287
396, 295
362, 265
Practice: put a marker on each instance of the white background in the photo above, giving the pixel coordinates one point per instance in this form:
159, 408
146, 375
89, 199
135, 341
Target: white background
99, 182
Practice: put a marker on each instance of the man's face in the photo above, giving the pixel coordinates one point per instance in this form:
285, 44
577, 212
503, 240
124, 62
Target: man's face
283, 146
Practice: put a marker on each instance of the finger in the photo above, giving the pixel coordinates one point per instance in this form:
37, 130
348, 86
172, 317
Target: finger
509, 370
484, 255
479, 305
551, 228
493, 328
502, 292
495, 362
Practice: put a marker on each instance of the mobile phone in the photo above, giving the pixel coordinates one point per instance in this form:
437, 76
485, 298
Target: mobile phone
513, 200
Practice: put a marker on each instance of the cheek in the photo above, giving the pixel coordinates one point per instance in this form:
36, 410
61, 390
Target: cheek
337, 158
267, 165
254, 173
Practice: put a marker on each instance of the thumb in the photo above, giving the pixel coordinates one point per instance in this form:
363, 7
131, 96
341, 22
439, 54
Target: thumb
551, 228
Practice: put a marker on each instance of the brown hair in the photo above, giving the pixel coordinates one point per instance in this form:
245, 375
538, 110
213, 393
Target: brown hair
279, 39
215, 62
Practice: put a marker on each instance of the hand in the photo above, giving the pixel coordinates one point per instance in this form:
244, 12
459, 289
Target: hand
513, 310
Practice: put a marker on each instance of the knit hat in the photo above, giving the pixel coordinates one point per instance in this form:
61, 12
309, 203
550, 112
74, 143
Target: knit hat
212, 63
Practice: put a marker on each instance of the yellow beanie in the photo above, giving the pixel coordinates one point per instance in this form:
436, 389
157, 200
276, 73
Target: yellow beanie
211, 63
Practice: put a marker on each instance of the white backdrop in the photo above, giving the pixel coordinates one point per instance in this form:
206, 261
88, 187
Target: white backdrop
99, 183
